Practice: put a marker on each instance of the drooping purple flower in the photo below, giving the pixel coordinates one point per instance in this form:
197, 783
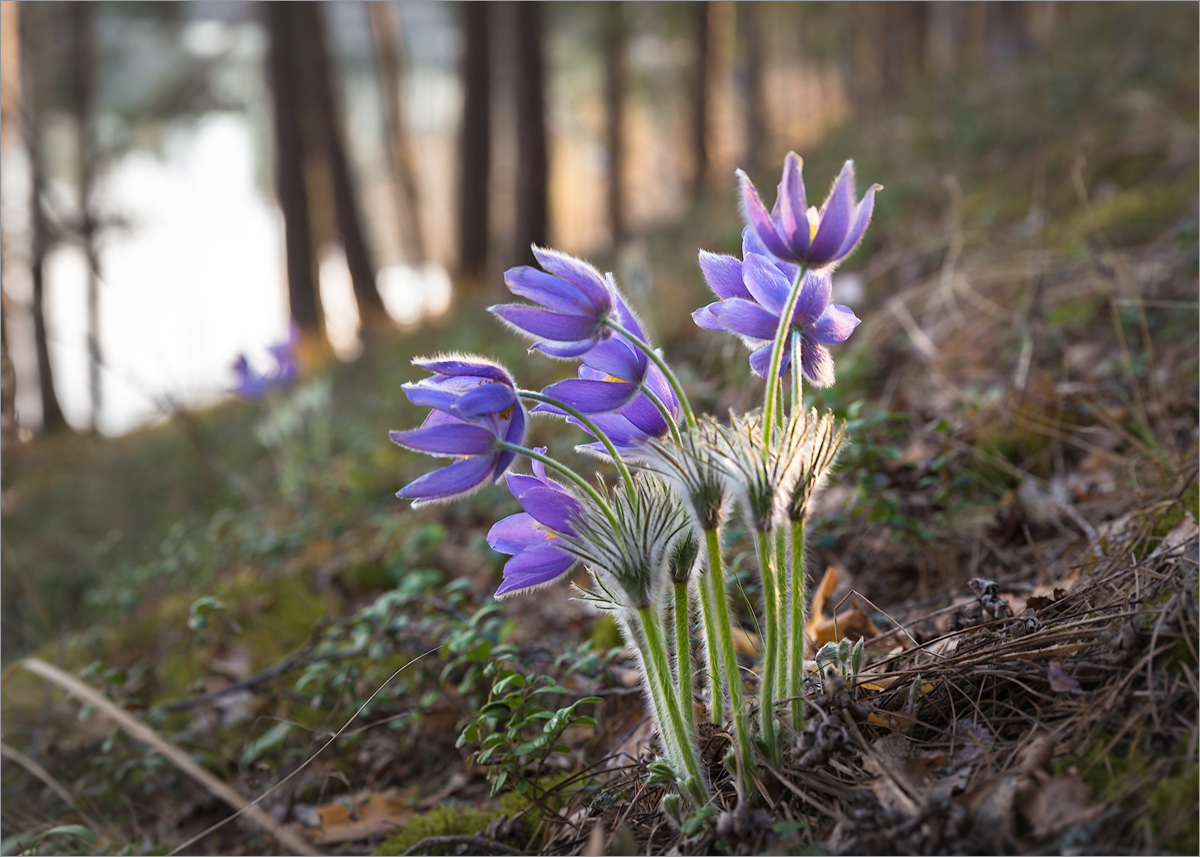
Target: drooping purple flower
753, 292
640, 420
611, 373
529, 537
475, 407
795, 232
573, 302
254, 384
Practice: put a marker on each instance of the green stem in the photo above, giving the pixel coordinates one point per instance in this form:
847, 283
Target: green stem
591, 426
796, 655
579, 481
714, 583
683, 655
771, 610
708, 620
659, 667
797, 377
656, 358
781, 641
785, 322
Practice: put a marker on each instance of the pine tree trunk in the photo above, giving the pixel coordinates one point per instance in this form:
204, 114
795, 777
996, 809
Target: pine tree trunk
371, 312
384, 28
290, 181
700, 87
475, 143
530, 107
614, 115
35, 74
758, 134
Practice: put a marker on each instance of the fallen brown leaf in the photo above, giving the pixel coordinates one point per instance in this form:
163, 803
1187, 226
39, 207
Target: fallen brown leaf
1060, 682
361, 817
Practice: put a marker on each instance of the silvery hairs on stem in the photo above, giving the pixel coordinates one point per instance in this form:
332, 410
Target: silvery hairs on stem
823, 440
629, 562
763, 483
696, 470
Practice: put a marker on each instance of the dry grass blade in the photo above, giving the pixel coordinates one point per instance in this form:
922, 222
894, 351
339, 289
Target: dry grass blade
294, 843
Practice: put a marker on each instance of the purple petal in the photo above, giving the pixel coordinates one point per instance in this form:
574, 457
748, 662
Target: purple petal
645, 416
514, 534
519, 483
533, 568
766, 283
616, 358
746, 318
516, 436
723, 274
458, 439
425, 396
459, 478
552, 325
625, 315
592, 397
551, 507
814, 296
455, 366
751, 243
567, 351
578, 273
757, 216
546, 289
835, 325
862, 217
760, 361
488, 399
835, 219
816, 364
619, 430
793, 206
705, 319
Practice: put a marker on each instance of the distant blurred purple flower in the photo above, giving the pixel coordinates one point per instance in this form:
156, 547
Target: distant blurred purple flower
794, 232
574, 302
475, 408
753, 293
529, 536
253, 384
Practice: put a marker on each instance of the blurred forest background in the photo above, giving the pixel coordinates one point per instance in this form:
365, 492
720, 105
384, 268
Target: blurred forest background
180, 182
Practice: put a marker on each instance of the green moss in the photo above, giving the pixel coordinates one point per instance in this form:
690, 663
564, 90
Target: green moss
605, 634
457, 820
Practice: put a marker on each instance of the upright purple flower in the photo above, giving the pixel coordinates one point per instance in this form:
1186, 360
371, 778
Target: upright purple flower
753, 293
794, 232
475, 408
529, 537
574, 301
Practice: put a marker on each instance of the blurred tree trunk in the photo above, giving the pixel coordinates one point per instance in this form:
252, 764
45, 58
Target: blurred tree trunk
475, 144
385, 27
529, 97
290, 180
34, 74
700, 92
372, 315
83, 66
758, 134
615, 63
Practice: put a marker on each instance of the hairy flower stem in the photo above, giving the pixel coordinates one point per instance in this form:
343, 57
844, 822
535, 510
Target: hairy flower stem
785, 323
683, 655
772, 609
579, 481
797, 376
796, 631
683, 741
714, 583
709, 625
782, 651
587, 421
645, 347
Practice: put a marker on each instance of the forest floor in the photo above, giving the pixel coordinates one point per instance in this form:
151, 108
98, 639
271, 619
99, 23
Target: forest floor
1012, 529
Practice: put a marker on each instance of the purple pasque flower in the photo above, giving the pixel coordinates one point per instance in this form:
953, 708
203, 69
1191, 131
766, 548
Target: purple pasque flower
611, 373
753, 292
529, 537
254, 384
475, 408
635, 423
795, 232
573, 301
